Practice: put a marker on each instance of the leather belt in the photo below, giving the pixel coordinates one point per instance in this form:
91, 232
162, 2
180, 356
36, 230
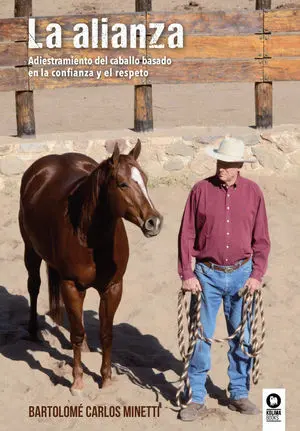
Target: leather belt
230, 268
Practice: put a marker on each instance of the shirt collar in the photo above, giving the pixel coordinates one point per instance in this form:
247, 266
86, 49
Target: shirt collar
222, 185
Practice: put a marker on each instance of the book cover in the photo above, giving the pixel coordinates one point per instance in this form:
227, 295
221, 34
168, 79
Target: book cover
162, 82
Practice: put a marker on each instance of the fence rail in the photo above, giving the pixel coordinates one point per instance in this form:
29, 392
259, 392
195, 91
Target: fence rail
259, 46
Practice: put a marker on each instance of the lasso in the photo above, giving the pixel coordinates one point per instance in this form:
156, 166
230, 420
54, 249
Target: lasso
252, 305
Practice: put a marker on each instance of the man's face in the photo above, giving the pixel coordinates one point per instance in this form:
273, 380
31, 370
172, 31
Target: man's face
228, 171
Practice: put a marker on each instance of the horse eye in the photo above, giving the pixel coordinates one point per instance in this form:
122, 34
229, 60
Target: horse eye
123, 185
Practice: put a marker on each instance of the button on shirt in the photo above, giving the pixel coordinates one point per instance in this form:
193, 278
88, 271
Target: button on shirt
224, 225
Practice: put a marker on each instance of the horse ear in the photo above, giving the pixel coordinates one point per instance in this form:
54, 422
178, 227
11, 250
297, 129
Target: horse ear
115, 155
135, 152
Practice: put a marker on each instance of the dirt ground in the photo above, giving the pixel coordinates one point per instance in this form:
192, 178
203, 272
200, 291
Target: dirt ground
145, 328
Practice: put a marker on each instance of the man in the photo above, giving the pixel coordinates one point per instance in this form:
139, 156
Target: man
224, 226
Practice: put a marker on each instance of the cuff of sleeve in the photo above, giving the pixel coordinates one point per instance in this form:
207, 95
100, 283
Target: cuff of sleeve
257, 275
185, 275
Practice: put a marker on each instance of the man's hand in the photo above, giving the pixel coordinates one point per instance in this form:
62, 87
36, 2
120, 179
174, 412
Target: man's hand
191, 285
252, 284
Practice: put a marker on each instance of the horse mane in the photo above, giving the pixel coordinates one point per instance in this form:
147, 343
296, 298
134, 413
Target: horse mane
83, 201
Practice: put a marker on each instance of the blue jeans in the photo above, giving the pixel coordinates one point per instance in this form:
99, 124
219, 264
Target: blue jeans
218, 285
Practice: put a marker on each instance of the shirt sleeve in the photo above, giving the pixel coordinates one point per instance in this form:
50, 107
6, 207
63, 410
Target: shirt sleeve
260, 242
186, 238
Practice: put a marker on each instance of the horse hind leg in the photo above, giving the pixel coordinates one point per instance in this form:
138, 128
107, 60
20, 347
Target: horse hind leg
73, 299
55, 300
33, 263
110, 300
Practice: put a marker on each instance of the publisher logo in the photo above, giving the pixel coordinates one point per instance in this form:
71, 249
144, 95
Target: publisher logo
273, 409
273, 401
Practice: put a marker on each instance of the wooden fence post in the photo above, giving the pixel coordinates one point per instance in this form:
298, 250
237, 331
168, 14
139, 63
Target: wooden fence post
143, 110
24, 99
263, 90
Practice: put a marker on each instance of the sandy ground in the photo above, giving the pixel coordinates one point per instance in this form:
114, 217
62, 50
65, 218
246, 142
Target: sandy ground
145, 328
112, 107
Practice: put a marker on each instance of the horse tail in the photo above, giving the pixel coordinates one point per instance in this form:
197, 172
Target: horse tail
55, 300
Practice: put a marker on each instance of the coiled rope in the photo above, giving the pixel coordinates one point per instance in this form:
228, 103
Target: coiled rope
252, 307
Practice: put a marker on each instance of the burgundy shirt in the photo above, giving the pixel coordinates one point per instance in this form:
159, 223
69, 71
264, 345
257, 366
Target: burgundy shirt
224, 225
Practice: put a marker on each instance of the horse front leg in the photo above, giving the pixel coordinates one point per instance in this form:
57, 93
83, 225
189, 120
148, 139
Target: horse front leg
110, 300
73, 299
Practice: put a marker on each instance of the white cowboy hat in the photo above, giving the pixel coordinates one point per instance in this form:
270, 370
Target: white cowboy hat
230, 150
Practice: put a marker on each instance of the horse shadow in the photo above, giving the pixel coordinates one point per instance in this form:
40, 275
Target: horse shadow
143, 353
139, 353
15, 342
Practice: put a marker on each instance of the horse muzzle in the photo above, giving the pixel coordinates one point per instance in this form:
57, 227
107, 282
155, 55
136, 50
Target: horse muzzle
152, 226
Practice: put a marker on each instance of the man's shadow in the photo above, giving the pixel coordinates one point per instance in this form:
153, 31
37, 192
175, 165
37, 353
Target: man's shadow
216, 392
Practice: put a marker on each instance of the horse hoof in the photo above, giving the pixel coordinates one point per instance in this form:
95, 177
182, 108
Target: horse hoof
106, 383
76, 392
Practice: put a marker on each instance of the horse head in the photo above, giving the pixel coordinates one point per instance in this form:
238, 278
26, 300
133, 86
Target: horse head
128, 194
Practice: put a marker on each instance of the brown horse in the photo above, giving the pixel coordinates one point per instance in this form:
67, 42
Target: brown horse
71, 211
